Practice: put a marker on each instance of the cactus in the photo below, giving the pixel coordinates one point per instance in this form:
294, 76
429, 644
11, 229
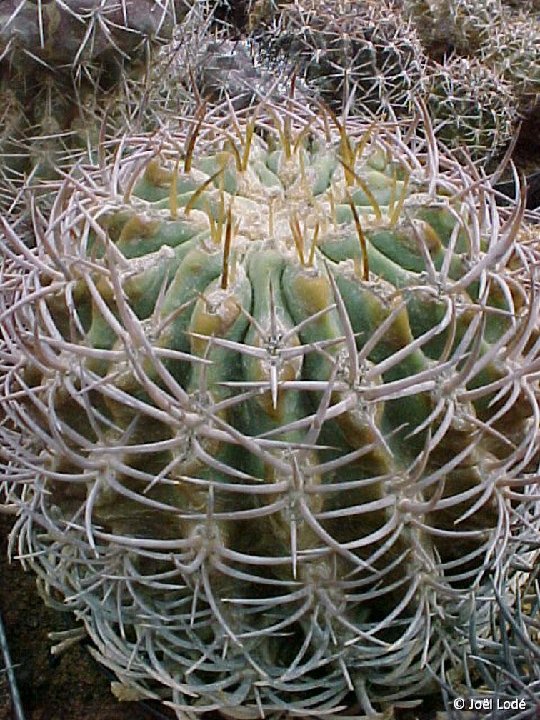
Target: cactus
510, 667
514, 52
460, 26
471, 107
51, 135
81, 34
261, 13
505, 39
271, 412
355, 55
528, 5
13, 128
66, 62
230, 70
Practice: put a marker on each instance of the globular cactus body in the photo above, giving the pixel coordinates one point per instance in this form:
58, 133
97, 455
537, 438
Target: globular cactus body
268, 417
72, 33
460, 26
355, 55
471, 106
513, 50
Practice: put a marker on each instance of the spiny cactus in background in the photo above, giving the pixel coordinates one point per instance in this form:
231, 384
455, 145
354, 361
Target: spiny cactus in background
261, 13
506, 39
512, 662
271, 412
54, 135
218, 71
514, 52
446, 26
82, 35
66, 61
230, 70
471, 107
522, 5
202, 64
353, 54
13, 126
233, 15
195, 67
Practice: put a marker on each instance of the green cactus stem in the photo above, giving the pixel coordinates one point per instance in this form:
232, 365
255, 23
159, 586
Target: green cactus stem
272, 412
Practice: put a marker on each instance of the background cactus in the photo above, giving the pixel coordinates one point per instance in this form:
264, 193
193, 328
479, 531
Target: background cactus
272, 412
520, 5
460, 26
66, 64
13, 128
506, 39
471, 106
81, 35
361, 57
513, 51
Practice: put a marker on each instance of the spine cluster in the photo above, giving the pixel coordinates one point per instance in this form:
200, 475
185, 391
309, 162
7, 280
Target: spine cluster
269, 346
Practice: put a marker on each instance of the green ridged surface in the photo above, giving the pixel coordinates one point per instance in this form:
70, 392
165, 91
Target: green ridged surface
272, 432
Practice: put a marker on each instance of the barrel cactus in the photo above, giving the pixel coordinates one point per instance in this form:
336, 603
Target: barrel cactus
471, 107
460, 26
271, 413
355, 55
513, 51
80, 34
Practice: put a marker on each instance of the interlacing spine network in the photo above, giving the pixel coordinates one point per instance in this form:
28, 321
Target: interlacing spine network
271, 415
